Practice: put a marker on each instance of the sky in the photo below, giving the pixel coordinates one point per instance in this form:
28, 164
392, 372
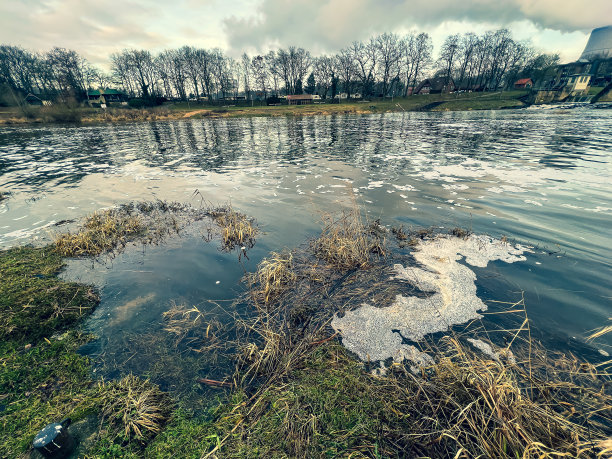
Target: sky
97, 28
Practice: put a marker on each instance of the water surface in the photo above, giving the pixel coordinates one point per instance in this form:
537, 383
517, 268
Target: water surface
541, 178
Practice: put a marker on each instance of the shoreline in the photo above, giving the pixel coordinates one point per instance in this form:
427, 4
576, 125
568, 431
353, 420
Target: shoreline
12, 116
294, 370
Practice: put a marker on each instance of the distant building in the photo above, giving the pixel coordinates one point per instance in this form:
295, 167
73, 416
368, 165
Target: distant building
37, 99
523, 83
300, 99
578, 84
436, 85
599, 45
105, 96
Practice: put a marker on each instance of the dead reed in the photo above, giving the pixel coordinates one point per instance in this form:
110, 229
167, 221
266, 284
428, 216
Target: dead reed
134, 408
274, 275
101, 232
111, 229
346, 242
237, 230
310, 398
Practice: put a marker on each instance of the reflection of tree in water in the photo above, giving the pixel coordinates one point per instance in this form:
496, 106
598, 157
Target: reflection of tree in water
385, 143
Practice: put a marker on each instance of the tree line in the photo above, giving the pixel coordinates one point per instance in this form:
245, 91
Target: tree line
385, 65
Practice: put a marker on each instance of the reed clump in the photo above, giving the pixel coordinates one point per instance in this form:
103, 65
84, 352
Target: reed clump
3, 195
102, 231
346, 242
274, 276
134, 408
111, 229
237, 230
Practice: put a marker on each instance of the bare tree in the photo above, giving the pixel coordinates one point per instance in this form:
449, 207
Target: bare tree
389, 48
260, 74
421, 59
448, 56
344, 64
467, 48
365, 56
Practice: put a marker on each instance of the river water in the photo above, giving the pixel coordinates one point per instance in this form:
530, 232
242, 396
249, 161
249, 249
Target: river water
541, 178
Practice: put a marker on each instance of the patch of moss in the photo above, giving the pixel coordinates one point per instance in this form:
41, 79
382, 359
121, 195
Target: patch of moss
34, 302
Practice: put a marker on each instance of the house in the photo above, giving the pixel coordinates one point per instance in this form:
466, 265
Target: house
299, 99
523, 83
105, 96
436, 85
578, 84
33, 99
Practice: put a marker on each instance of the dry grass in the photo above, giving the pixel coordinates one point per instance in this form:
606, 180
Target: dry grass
600, 332
543, 406
134, 408
310, 398
237, 230
111, 229
101, 232
193, 328
275, 274
346, 242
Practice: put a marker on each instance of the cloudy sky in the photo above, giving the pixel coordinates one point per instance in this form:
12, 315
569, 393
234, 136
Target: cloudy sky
96, 28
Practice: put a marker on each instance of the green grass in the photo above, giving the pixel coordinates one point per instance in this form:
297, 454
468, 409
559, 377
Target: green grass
34, 302
42, 377
179, 110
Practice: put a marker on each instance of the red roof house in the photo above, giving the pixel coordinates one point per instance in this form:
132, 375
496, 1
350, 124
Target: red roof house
523, 83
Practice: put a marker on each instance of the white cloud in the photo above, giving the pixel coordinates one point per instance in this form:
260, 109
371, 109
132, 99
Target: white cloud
97, 28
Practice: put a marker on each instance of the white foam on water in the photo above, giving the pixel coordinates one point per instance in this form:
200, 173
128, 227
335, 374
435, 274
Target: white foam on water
379, 333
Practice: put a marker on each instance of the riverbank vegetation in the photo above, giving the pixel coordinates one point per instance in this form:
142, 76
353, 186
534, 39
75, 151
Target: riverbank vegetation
292, 389
180, 111
112, 229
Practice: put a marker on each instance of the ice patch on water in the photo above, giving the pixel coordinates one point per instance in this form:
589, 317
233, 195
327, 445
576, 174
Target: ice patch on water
379, 333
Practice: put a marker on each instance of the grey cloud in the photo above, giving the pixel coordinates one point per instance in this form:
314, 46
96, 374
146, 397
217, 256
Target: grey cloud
92, 27
332, 24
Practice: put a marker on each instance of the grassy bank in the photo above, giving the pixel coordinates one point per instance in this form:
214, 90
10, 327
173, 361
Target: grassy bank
183, 110
44, 380
295, 391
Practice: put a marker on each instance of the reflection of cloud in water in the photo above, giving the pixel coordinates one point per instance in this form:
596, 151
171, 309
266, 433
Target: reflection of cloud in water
129, 309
